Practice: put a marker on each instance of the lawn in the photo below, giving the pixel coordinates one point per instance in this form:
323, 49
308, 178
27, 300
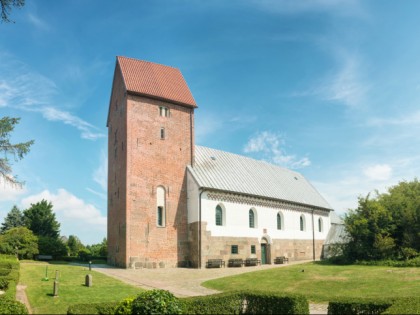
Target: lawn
322, 283
72, 289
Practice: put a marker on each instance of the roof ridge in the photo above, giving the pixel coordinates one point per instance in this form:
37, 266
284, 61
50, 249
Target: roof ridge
152, 62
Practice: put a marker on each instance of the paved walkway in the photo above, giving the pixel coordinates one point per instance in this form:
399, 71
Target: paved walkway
182, 282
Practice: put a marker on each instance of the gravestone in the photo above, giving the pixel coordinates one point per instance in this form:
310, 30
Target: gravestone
55, 289
88, 280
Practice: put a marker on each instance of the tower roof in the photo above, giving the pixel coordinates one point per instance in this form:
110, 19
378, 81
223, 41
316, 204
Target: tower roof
155, 80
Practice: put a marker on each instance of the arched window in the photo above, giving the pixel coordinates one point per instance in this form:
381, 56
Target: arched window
219, 215
161, 209
302, 223
251, 218
320, 227
280, 223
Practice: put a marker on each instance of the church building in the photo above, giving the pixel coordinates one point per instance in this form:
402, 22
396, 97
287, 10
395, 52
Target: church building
172, 203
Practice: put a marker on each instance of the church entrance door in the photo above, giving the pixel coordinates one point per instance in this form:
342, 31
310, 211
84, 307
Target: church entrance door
263, 254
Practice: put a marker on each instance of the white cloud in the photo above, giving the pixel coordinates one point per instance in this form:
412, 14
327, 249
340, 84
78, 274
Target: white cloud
75, 215
406, 120
24, 89
10, 192
100, 175
268, 144
378, 172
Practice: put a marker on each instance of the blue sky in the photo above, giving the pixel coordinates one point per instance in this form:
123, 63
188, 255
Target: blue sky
330, 89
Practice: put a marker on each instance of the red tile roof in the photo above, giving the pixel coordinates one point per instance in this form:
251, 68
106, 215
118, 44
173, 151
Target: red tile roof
155, 80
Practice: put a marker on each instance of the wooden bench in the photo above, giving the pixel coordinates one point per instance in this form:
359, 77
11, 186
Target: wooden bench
215, 263
238, 262
252, 262
281, 260
44, 257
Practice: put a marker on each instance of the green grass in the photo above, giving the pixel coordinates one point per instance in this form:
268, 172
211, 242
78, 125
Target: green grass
72, 289
322, 283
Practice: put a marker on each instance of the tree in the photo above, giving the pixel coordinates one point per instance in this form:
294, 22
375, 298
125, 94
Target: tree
17, 151
6, 7
100, 249
20, 241
40, 219
386, 226
13, 219
52, 246
74, 245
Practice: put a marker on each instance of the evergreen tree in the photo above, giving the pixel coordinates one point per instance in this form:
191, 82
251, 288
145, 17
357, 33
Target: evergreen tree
16, 151
40, 219
13, 219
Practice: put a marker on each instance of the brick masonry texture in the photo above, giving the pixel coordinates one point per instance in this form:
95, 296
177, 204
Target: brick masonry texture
139, 162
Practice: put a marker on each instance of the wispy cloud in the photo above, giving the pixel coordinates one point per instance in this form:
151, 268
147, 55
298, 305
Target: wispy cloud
100, 175
338, 7
268, 146
38, 22
408, 119
27, 90
345, 84
74, 214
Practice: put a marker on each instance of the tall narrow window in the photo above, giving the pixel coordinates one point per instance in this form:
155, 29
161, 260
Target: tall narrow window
160, 207
219, 215
251, 218
302, 223
162, 133
163, 111
160, 216
279, 221
253, 251
319, 225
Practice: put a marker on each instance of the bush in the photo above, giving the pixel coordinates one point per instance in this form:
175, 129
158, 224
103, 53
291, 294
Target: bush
9, 306
358, 306
4, 284
247, 303
275, 303
405, 306
124, 307
222, 303
95, 309
156, 302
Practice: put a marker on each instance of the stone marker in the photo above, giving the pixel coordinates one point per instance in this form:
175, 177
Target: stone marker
55, 290
88, 280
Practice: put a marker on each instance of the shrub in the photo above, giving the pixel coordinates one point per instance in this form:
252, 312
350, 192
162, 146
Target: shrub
95, 309
222, 303
4, 284
275, 303
358, 306
247, 303
156, 302
124, 307
405, 306
9, 306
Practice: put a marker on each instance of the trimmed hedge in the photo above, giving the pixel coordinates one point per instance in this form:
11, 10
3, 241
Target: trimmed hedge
358, 306
94, 308
405, 306
156, 302
247, 303
222, 303
10, 306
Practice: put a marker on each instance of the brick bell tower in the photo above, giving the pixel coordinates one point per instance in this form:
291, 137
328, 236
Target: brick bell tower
150, 143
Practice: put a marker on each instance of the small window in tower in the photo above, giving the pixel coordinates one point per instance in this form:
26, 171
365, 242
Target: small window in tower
160, 216
253, 251
234, 249
163, 111
162, 133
